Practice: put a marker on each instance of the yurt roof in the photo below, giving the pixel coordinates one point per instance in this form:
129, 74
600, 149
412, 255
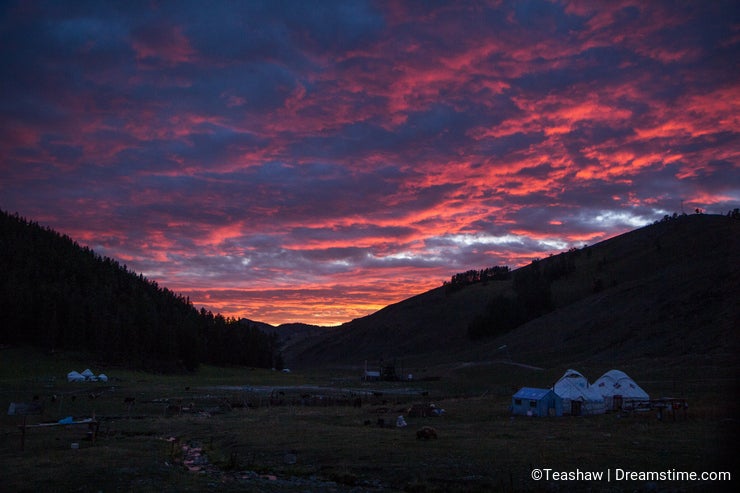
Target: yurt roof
573, 385
616, 382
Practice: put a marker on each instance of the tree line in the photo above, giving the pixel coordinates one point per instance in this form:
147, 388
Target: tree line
57, 294
495, 273
532, 296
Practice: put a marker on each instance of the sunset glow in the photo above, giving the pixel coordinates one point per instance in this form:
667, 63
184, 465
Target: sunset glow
316, 161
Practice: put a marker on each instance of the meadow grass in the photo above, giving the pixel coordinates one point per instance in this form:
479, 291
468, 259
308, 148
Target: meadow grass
480, 447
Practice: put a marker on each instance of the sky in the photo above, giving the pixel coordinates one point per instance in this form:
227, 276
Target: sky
315, 161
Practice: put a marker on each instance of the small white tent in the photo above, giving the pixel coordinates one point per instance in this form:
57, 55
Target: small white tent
103, 377
75, 376
618, 389
579, 398
89, 375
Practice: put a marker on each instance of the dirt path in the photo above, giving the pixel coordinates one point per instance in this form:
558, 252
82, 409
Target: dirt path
468, 364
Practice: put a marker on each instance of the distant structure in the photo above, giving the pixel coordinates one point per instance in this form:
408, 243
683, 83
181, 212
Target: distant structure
385, 372
620, 391
530, 401
579, 398
388, 372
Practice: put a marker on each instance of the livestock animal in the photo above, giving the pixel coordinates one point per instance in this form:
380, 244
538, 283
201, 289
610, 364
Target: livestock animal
425, 433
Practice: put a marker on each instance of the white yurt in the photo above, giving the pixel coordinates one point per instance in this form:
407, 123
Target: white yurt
75, 376
618, 390
89, 375
579, 398
103, 377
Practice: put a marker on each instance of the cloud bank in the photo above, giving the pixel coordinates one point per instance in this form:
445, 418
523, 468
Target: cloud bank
316, 161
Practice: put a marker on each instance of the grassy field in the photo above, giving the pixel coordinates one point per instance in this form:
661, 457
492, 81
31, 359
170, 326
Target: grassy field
250, 445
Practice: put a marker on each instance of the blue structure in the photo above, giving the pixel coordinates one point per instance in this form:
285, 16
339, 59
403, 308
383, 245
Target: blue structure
536, 402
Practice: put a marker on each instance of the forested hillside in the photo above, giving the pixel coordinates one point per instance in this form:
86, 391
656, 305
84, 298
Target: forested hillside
57, 294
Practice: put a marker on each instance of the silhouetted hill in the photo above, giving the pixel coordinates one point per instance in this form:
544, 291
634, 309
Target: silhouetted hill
671, 288
57, 295
290, 333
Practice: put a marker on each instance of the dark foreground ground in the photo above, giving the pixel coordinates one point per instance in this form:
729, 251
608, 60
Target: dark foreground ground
255, 430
